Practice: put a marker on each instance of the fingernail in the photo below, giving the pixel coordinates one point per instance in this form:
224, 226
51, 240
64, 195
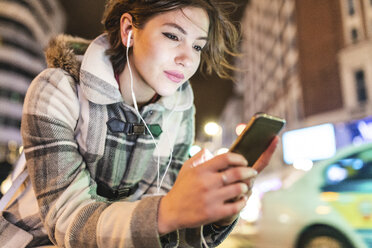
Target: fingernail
249, 173
244, 188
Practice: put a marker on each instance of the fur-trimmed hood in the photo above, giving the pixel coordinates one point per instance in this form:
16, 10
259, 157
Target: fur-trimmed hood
87, 62
66, 52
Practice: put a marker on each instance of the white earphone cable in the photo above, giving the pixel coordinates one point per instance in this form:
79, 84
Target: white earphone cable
137, 111
158, 181
202, 237
170, 147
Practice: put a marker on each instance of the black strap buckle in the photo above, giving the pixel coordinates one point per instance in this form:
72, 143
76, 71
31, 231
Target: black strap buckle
115, 194
137, 129
118, 126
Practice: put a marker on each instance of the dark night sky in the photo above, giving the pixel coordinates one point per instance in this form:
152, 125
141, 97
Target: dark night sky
211, 93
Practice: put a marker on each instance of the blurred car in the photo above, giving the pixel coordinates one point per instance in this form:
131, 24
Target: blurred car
329, 206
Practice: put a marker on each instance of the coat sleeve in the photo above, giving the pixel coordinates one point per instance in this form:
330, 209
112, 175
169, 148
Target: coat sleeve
71, 211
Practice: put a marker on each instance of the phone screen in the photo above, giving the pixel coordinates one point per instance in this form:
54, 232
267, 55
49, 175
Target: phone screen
257, 136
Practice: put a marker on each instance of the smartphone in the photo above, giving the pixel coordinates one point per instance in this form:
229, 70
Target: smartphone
257, 136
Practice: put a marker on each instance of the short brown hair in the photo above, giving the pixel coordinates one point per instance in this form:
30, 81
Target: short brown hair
222, 37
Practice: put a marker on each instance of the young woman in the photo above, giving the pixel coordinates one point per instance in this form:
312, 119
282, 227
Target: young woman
107, 130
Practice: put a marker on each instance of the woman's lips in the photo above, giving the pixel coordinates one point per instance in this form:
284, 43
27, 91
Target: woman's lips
174, 76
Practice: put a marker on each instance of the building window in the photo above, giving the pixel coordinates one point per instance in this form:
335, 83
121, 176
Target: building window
351, 7
354, 34
360, 86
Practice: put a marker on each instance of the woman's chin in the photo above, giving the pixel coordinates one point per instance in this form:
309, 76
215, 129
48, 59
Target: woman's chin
166, 92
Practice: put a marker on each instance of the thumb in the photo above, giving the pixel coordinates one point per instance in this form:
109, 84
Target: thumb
264, 159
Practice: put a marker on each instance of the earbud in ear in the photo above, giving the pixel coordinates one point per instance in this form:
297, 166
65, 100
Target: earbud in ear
129, 37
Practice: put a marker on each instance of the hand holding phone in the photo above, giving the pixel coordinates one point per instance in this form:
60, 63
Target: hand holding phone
257, 136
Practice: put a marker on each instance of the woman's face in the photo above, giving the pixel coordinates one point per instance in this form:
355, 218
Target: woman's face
166, 52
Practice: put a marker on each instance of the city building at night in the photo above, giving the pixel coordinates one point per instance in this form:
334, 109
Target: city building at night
306, 61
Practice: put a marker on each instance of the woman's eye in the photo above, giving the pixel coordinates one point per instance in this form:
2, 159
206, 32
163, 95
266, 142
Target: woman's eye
198, 48
171, 36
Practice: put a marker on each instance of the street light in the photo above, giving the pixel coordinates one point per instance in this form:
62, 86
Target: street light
212, 128
240, 128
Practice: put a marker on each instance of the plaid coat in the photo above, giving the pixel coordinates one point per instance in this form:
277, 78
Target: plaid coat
97, 187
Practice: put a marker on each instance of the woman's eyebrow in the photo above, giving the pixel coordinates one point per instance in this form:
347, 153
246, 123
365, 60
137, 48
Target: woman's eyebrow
183, 31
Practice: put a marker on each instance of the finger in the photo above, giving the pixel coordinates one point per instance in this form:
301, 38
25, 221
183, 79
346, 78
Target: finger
237, 174
250, 182
265, 157
231, 208
232, 191
225, 160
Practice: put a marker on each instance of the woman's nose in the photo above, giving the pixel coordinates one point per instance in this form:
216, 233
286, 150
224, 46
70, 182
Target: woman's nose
184, 57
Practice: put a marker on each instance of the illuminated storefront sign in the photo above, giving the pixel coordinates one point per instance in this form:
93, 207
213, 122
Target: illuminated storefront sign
321, 141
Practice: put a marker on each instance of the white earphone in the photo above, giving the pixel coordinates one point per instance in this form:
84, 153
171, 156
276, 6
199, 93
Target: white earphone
129, 37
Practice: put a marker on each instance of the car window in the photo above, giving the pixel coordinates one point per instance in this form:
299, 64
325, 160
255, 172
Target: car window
350, 173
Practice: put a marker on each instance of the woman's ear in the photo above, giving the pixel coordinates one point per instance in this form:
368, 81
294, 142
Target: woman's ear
125, 28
